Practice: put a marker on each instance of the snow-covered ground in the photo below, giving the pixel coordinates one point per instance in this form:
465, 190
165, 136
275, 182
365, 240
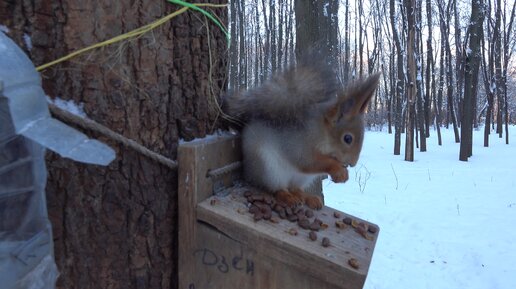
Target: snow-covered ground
444, 223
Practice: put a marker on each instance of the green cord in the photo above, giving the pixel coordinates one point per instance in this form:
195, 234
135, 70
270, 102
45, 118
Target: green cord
206, 13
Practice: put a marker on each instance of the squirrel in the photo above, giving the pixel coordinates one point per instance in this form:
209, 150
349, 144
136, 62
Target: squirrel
299, 125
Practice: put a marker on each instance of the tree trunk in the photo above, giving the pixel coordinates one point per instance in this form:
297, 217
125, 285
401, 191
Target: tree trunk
273, 26
242, 40
445, 24
459, 62
472, 64
267, 44
507, 55
116, 226
399, 81
419, 78
317, 28
346, 45
411, 79
234, 80
429, 76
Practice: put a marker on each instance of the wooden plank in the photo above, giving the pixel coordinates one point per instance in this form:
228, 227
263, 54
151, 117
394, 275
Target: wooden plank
195, 159
229, 215
222, 262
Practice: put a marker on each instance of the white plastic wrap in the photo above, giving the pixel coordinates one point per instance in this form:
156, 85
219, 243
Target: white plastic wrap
26, 130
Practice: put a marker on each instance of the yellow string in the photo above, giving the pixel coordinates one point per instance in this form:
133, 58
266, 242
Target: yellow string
131, 34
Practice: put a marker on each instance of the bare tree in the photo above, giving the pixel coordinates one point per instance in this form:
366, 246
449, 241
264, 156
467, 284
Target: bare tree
400, 80
420, 115
472, 55
444, 19
430, 77
507, 53
411, 78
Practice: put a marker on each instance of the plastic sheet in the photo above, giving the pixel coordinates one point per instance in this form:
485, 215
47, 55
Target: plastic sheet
26, 130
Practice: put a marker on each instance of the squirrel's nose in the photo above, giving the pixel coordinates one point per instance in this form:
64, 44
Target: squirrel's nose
353, 162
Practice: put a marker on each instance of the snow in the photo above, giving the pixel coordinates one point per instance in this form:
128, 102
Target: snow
468, 51
492, 87
443, 223
4, 29
68, 105
210, 137
28, 41
325, 9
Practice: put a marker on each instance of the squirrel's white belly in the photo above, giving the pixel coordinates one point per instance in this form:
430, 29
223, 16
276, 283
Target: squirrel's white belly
268, 167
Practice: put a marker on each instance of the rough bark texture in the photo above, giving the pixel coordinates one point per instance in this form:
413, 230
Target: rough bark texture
411, 80
472, 66
317, 28
116, 226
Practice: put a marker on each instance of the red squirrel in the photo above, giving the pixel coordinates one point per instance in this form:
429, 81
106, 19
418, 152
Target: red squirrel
299, 125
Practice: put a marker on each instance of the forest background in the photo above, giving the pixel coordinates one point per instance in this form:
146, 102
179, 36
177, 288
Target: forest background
444, 63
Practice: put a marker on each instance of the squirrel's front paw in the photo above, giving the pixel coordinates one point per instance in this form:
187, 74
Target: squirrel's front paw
340, 176
313, 202
289, 198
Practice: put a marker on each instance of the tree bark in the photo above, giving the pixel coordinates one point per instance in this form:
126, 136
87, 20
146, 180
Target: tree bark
419, 78
399, 81
507, 53
234, 76
317, 28
116, 226
411, 79
472, 65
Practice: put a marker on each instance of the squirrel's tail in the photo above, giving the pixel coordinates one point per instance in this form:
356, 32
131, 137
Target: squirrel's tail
287, 97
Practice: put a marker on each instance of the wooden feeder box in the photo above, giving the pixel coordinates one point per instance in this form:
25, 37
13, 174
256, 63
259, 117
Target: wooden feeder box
221, 246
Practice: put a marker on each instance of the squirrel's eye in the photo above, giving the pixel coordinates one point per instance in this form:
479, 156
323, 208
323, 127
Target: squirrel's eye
348, 138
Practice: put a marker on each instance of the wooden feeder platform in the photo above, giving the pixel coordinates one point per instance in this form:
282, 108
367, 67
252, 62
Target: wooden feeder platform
222, 246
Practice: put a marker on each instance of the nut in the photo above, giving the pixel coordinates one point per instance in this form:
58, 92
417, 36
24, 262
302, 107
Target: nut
336, 214
362, 230
254, 209
256, 197
267, 199
312, 235
347, 221
315, 226
353, 263
292, 218
282, 204
304, 223
277, 208
325, 242
267, 215
372, 229
292, 231
274, 220
340, 225
309, 213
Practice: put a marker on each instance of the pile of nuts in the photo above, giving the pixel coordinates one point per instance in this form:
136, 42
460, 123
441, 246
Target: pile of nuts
265, 207
262, 206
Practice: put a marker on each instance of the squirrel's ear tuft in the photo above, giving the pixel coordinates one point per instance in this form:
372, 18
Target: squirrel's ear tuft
353, 100
363, 91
